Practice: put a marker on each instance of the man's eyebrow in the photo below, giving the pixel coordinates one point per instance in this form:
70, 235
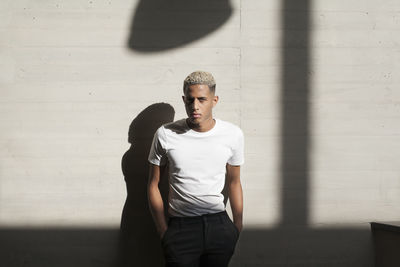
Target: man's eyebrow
201, 97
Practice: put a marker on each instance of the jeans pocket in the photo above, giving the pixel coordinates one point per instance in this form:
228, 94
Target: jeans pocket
233, 226
236, 229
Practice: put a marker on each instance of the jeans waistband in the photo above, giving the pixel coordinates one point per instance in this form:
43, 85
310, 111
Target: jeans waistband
200, 217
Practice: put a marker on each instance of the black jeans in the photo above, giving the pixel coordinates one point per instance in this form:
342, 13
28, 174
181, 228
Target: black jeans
200, 241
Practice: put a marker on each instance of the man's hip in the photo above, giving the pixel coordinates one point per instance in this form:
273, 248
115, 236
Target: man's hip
190, 239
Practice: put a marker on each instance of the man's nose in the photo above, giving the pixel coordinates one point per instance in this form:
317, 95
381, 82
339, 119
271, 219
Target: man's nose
195, 105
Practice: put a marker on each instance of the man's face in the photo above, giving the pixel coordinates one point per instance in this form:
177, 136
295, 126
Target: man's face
199, 102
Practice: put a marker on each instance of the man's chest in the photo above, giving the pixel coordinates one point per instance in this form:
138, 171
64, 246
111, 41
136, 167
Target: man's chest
197, 154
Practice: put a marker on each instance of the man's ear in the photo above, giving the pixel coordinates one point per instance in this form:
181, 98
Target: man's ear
215, 100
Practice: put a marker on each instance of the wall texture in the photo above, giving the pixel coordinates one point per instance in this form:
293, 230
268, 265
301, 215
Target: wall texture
84, 84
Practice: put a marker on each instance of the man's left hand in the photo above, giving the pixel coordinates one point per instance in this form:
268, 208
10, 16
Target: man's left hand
239, 226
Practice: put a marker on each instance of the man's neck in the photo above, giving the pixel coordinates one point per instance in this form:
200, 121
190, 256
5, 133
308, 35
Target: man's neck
204, 127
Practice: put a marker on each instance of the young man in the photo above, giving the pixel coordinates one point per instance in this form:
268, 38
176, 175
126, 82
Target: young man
202, 153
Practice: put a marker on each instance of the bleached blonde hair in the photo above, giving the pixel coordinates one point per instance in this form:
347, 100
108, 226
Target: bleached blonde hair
200, 77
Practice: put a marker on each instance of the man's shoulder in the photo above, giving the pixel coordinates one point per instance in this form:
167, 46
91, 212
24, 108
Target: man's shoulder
178, 126
230, 126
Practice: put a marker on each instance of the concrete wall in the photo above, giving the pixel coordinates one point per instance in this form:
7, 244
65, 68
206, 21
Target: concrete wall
84, 84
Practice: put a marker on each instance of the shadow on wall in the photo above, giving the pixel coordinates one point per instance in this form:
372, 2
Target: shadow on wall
139, 241
295, 112
80, 247
136, 243
160, 25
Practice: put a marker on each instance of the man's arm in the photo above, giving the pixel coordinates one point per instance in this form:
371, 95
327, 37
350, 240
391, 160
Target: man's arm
155, 200
235, 194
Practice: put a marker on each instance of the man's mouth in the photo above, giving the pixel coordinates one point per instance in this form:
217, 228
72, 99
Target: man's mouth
195, 115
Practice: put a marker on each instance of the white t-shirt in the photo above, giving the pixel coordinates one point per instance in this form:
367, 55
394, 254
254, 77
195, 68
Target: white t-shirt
197, 164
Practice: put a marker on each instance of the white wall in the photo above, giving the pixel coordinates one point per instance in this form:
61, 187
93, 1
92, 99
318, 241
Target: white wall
70, 87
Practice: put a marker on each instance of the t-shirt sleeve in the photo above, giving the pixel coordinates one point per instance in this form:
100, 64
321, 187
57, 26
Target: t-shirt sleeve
157, 154
237, 157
